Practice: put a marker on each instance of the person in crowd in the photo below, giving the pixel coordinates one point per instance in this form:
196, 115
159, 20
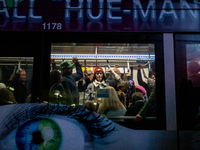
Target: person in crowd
98, 83
111, 106
130, 91
55, 77
122, 98
150, 81
19, 87
2, 85
89, 105
53, 64
88, 76
150, 105
6, 97
189, 98
139, 88
114, 77
128, 87
137, 102
148, 86
123, 87
69, 79
57, 93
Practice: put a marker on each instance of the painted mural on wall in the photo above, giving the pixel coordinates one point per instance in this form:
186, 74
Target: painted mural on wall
42, 126
99, 15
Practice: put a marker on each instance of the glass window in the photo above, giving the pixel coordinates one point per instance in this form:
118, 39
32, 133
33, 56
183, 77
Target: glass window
188, 80
15, 79
125, 67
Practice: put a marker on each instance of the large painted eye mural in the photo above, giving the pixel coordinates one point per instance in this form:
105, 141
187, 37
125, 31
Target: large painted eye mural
41, 133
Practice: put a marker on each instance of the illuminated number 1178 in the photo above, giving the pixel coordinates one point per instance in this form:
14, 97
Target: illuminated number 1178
52, 26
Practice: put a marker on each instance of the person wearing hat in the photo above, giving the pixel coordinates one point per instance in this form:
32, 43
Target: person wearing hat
148, 86
88, 75
139, 88
98, 83
150, 105
69, 79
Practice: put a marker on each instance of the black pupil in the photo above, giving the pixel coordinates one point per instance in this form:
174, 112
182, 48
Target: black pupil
37, 137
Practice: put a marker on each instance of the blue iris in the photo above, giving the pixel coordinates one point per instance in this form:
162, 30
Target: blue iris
24, 136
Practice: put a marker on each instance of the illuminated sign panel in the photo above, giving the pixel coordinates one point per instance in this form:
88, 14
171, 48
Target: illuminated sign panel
99, 15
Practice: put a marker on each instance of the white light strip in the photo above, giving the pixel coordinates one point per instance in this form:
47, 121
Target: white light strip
72, 55
126, 56
105, 56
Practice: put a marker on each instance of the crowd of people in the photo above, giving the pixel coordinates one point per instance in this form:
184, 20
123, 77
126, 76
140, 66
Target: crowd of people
107, 91
121, 97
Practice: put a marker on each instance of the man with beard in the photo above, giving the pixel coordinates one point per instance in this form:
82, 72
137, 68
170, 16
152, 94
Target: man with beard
69, 79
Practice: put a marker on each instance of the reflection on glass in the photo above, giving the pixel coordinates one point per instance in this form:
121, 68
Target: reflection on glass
16, 75
193, 70
189, 89
193, 63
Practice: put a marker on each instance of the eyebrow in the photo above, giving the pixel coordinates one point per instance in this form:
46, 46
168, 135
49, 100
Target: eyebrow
98, 126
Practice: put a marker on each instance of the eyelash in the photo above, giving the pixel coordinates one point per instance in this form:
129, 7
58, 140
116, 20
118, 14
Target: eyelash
98, 126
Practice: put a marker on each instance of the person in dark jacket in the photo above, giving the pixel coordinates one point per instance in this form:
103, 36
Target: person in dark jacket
137, 101
18, 86
57, 93
150, 105
128, 87
114, 77
147, 86
88, 74
189, 98
69, 79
